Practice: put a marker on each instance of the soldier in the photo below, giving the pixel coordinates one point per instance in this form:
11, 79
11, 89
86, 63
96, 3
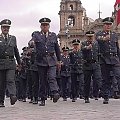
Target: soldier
23, 74
77, 77
48, 56
8, 49
91, 66
34, 83
109, 55
65, 73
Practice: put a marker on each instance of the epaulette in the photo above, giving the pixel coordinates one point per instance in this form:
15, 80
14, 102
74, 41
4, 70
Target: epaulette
98, 33
35, 32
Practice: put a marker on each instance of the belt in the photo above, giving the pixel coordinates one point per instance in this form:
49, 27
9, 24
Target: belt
7, 57
110, 54
90, 61
49, 54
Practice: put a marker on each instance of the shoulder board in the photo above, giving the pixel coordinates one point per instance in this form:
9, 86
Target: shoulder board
35, 32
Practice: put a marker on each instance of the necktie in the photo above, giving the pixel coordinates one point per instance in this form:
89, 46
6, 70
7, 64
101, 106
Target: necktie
6, 38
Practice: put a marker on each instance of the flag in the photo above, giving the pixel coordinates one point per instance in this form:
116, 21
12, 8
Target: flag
117, 11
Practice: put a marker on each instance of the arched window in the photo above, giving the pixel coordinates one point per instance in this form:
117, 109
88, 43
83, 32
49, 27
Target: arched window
63, 7
71, 21
71, 7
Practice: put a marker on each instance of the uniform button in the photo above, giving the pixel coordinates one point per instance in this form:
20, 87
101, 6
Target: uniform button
5, 52
46, 51
110, 53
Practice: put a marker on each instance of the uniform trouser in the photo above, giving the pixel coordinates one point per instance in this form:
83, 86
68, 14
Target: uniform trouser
106, 68
91, 74
65, 81
24, 87
7, 81
95, 88
35, 87
47, 73
30, 84
114, 84
77, 83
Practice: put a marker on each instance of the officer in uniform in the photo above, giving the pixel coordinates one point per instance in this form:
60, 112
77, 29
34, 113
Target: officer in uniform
8, 49
109, 55
65, 73
91, 64
77, 77
34, 74
48, 57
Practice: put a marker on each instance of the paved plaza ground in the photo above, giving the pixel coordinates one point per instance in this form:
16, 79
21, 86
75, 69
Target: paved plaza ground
62, 110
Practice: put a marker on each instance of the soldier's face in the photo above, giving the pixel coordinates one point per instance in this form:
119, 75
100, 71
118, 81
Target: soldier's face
107, 27
90, 38
65, 52
76, 46
5, 29
45, 27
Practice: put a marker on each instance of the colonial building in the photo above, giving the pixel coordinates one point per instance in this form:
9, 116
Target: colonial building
73, 19
74, 22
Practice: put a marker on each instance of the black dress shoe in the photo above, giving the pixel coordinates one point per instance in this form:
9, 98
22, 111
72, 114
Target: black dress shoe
73, 100
81, 97
24, 100
13, 99
42, 103
56, 97
31, 101
2, 105
116, 96
87, 100
35, 100
96, 98
105, 101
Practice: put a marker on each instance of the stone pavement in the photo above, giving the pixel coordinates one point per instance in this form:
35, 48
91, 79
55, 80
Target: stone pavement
62, 110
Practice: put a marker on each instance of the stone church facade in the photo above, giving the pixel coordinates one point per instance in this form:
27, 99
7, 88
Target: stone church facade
74, 22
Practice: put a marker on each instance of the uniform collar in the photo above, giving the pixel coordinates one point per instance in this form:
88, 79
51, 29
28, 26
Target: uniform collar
4, 35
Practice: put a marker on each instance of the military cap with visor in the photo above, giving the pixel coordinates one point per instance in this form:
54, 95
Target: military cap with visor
76, 42
108, 20
44, 20
5, 22
65, 48
89, 33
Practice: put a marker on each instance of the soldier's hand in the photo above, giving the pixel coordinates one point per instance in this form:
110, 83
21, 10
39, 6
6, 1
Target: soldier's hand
89, 47
19, 67
59, 65
107, 37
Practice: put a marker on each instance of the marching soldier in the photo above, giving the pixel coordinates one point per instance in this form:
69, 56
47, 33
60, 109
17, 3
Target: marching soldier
23, 74
8, 49
109, 55
77, 77
65, 73
91, 64
34, 74
48, 56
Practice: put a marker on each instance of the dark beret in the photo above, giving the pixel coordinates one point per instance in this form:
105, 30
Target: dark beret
5, 22
45, 20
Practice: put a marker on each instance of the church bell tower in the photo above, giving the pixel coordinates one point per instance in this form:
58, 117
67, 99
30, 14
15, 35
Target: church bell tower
72, 21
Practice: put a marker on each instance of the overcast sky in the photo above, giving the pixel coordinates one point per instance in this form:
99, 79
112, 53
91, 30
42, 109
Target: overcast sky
25, 14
